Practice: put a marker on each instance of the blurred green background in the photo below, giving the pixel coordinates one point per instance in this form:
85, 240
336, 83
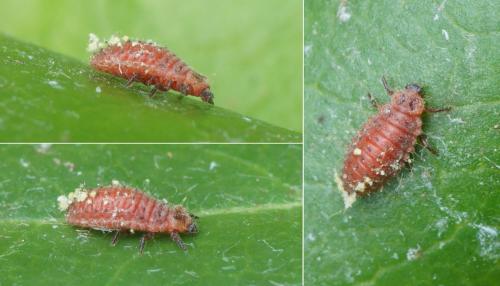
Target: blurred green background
251, 51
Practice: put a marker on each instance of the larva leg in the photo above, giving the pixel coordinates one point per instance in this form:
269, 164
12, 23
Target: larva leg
422, 140
373, 101
115, 238
177, 238
389, 91
144, 238
153, 91
434, 110
131, 80
184, 89
169, 85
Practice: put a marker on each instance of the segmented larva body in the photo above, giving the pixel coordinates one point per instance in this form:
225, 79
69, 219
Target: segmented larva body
119, 208
150, 64
384, 144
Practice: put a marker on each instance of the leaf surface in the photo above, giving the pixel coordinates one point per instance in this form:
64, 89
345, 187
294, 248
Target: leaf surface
248, 198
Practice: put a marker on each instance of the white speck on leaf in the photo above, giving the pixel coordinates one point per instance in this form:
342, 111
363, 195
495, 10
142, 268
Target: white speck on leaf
24, 163
441, 225
43, 148
488, 241
456, 120
98, 89
311, 237
413, 253
343, 13
54, 84
213, 165
153, 270
445, 34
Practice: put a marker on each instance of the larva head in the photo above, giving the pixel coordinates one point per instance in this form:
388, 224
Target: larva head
180, 221
207, 96
410, 100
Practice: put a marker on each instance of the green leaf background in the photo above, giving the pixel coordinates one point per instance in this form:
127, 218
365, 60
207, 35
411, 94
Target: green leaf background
248, 198
438, 223
251, 51
47, 97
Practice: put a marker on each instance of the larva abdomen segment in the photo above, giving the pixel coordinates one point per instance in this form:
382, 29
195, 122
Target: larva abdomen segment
116, 209
151, 65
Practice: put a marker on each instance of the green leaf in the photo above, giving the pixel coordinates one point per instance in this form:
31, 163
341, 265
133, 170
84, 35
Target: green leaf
251, 51
248, 198
49, 98
436, 224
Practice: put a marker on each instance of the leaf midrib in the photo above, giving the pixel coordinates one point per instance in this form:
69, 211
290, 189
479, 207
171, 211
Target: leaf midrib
211, 212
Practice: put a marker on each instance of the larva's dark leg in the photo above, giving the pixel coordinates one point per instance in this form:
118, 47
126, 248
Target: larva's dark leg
434, 110
422, 140
169, 85
153, 91
184, 89
115, 238
144, 238
373, 101
131, 80
389, 91
177, 238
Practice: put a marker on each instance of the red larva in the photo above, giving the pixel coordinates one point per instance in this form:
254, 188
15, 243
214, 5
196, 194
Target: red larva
385, 143
119, 208
150, 64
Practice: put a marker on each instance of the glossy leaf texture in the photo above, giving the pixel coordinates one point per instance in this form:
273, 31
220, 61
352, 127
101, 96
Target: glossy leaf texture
248, 198
437, 222
48, 97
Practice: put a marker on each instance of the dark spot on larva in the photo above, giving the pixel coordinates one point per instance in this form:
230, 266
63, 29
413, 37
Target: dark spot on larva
401, 99
413, 104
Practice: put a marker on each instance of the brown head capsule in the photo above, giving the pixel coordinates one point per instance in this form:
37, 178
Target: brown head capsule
384, 144
148, 63
119, 208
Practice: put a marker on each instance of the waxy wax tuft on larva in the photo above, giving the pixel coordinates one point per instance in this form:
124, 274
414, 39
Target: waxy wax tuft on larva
148, 63
384, 144
120, 208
